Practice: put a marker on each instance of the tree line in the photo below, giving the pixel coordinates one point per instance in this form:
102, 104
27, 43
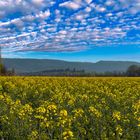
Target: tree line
132, 71
5, 72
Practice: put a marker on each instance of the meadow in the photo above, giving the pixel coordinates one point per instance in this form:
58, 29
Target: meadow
50, 108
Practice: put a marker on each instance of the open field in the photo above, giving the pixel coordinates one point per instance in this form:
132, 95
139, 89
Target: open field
69, 108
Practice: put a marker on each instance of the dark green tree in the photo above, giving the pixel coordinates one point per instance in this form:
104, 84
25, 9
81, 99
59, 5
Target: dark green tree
2, 69
133, 70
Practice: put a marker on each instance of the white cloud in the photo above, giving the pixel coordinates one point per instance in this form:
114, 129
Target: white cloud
18, 22
51, 29
63, 32
37, 2
29, 18
100, 9
88, 9
109, 14
43, 15
109, 2
88, 1
79, 17
70, 5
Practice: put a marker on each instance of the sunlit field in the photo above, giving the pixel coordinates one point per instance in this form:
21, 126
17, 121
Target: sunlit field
39, 108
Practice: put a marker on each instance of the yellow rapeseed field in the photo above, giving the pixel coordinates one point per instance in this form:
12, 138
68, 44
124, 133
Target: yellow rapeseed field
46, 108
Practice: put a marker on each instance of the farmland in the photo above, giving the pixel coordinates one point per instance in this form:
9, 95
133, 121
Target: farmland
47, 108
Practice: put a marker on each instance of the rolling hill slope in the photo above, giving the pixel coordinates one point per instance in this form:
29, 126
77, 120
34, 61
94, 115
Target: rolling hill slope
36, 65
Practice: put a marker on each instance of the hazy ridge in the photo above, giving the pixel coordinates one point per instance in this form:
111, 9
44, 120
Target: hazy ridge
36, 65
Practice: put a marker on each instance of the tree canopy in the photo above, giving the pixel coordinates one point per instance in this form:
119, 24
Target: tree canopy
133, 70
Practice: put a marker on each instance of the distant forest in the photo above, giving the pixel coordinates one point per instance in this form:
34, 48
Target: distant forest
5, 72
133, 70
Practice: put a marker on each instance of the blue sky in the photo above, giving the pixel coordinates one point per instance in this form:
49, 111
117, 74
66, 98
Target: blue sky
73, 30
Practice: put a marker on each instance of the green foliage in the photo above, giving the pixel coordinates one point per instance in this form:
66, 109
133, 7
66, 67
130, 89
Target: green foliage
133, 70
2, 69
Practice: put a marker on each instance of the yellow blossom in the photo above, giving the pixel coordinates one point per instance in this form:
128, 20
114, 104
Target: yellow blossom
67, 134
94, 111
63, 113
116, 115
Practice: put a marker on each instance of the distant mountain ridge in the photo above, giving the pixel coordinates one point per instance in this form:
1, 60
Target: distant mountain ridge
36, 65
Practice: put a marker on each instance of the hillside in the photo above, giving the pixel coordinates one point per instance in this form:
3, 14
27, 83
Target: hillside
36, 65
